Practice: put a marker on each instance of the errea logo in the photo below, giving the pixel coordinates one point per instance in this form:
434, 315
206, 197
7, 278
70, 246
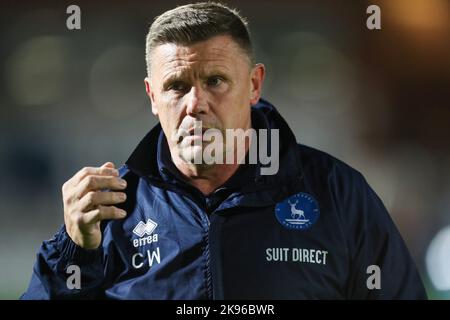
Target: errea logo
143, 229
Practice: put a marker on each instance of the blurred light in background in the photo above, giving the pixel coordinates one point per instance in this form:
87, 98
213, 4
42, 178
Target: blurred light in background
117, 82
319, 75
36, 71
438, 260
318, 87
407, 186
418, 32
419, 15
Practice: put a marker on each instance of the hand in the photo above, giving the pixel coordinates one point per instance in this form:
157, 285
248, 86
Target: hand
85, 204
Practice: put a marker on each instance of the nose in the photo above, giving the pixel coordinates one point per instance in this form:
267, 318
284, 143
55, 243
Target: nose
196, 102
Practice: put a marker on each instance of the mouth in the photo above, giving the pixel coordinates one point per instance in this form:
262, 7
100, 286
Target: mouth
192, 135
194, 131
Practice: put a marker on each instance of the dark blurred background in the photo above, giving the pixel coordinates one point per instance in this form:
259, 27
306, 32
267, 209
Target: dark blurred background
376, 99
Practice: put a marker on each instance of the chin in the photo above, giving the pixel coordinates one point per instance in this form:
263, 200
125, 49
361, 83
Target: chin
192, 153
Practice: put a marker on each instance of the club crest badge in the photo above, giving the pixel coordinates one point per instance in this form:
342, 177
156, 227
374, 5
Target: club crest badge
298, 212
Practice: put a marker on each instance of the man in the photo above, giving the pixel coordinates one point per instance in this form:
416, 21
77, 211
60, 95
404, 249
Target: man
166, 226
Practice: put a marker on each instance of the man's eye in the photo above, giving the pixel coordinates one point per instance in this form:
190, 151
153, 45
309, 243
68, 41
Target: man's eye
178, 86
214, 81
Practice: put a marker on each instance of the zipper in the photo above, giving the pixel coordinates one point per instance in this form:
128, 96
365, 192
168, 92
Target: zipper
209, 285
206, 228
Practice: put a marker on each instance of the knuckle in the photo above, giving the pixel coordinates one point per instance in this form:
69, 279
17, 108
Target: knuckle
73, 212
84, 171
120, 182
112, 182
91, 197
106, 210
68, 210
100, 210
97, 212
76, 206
110, 196
78, 220
66, 187
69, 196
108, 179
90, 182
106, 171
111, 211
66, 199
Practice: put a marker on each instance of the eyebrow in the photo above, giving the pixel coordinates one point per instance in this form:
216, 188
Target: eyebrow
177, 76
183, 76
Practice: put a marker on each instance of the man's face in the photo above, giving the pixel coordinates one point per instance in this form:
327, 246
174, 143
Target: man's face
210, 81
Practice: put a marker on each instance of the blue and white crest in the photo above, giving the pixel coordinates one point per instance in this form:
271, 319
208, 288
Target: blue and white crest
298, 212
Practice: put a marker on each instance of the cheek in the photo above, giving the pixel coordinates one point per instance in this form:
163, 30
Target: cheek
235, 117
233, 110
171, 114
242, 96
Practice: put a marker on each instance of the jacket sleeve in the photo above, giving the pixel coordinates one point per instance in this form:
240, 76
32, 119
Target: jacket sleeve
51, 278
374, 242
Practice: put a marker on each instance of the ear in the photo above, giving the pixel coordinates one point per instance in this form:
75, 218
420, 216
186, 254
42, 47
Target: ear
150, 93
257, 78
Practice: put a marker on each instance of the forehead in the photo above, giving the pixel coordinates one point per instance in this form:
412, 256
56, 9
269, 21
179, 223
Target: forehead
218, 52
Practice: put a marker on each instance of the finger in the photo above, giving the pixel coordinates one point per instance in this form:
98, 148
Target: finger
102, 213
95, 198
102, 171
94, 183
108, 165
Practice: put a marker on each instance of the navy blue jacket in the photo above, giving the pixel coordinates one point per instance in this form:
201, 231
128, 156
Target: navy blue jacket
314, 230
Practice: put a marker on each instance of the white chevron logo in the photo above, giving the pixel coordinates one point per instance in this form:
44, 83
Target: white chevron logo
142, 228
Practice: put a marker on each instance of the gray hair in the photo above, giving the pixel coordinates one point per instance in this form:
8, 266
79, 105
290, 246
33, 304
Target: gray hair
197, 22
